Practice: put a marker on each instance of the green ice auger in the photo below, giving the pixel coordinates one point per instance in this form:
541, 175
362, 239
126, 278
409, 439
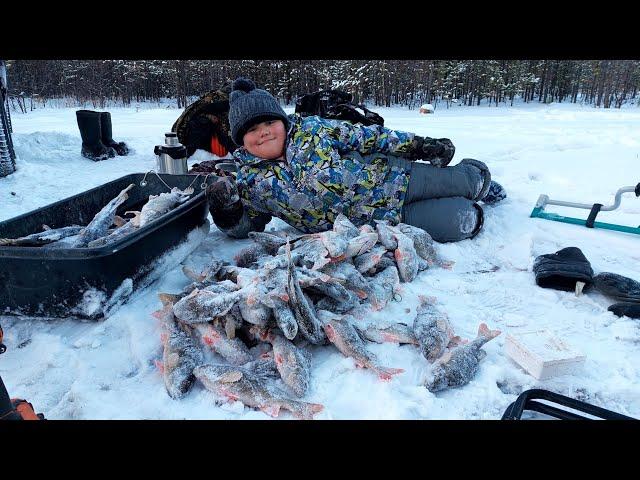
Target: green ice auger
544, 200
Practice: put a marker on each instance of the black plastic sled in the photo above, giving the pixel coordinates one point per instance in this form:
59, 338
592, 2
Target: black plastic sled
526, 401
41, 282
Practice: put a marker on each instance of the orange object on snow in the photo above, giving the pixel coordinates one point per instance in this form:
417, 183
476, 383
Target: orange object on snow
217, 148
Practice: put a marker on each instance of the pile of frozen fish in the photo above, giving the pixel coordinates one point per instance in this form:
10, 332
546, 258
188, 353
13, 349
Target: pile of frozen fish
106, 227
287, 296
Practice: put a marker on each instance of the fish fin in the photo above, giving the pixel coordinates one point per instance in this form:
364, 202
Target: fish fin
230, 377
118, 221
447, 265
361, 294
306, 411
271, 410
446, 356
168, 298
455, 341
390, 337
386, 373
330, 331
427, 299
483, 331
191, 275
46, 227
165, 313
159, 365
135, 221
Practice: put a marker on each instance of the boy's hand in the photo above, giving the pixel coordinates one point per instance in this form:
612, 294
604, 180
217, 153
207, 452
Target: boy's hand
437, 151
223, 194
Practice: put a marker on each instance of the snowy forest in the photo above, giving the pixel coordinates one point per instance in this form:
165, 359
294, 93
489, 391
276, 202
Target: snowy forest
410, 83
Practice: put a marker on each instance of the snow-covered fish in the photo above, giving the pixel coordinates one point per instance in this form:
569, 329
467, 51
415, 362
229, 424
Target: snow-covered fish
158, 205
458, 366
233, 350
346, 339
361, 244
369, 260
254, 391
202, 305
308, 324
344, 227
383, 287
406, 258
42, 238
180, 355
432, 329
103, 220
285, 318
393, 333
293, 363
120, 232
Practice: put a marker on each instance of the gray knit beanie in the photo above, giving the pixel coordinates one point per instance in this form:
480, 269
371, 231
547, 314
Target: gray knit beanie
249, 105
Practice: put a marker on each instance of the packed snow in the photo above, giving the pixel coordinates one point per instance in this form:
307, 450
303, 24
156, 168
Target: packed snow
72, 369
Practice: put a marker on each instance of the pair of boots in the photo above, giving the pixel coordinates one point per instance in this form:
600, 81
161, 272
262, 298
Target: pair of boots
95, 130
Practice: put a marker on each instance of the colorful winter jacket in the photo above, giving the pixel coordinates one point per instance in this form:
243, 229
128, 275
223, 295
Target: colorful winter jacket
331, 167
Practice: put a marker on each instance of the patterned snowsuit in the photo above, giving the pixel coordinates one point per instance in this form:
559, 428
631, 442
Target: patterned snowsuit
331, 167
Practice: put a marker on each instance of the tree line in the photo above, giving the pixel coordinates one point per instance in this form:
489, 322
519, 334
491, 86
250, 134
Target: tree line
410, 83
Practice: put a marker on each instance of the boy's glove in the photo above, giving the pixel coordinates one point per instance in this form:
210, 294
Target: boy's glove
223, 194
437, 151
561, 270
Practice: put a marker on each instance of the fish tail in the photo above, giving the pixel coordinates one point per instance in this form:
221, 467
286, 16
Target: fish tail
386, 373
483, 331
304, 410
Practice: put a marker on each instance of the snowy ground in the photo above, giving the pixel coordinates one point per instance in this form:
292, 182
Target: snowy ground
82, 370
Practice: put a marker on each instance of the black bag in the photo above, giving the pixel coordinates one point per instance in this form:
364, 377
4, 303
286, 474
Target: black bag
337, 105
204, 118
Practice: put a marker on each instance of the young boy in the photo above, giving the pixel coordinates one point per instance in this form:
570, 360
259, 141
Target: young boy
306, 171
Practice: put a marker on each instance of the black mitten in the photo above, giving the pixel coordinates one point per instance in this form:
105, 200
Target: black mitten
561, 270
437, 151
631, 310
621, 288
223, 194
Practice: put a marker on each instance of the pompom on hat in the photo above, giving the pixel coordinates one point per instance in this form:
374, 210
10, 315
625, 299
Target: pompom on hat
249, 105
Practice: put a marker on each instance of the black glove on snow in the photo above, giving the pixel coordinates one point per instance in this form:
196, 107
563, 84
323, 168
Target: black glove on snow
631, 310
437, 151
561, 270
222, 194
623, 289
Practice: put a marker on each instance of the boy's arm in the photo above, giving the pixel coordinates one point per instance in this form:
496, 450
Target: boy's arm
371, 139
378, 139
230, 215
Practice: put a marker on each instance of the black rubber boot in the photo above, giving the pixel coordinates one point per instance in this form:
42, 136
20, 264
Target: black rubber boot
105, 124
90, 131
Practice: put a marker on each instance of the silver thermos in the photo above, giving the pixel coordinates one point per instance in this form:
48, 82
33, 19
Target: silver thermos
172, 156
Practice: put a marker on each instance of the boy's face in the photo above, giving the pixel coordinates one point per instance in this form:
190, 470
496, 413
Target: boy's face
266, 139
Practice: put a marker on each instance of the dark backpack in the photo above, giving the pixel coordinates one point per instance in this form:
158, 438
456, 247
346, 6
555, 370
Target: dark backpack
338, 105
207, 116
